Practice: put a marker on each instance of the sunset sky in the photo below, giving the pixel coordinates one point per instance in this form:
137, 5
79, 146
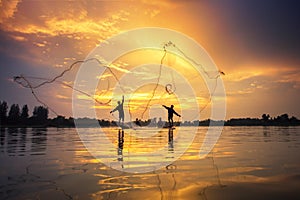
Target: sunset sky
256, 43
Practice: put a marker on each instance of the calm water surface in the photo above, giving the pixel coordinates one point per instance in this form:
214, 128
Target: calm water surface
246, 163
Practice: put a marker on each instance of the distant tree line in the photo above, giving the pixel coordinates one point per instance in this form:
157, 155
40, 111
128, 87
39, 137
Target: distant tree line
13, 116
265, 120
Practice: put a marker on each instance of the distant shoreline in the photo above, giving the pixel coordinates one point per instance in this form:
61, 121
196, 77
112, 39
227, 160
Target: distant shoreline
62, 122
18, 118
45, 126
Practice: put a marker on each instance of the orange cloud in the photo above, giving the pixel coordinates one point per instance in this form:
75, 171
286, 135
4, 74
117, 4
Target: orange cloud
8, 9
76, 28
62, 96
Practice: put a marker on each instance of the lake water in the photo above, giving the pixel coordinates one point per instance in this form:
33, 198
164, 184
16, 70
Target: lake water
246, 163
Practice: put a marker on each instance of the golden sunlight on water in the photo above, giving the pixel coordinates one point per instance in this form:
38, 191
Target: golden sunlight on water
246, 163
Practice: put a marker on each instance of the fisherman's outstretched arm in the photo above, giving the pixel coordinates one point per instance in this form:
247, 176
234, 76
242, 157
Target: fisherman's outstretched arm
114, 110
177, 114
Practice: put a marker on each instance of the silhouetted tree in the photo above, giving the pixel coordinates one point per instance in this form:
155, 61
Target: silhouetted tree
3, 112
14, 114
265, 117
283, 118
40, 113
24, 113
293, 119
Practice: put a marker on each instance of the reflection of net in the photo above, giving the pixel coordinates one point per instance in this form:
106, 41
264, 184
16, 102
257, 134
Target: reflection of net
169, 89
219, 184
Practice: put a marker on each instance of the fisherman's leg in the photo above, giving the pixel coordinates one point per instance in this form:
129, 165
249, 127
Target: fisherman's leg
122, 118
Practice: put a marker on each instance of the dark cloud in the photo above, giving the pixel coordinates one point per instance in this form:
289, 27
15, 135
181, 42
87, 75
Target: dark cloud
267, 28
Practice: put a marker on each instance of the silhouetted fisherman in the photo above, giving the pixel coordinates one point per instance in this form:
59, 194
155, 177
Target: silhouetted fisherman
138, 122
171, 111
120, 109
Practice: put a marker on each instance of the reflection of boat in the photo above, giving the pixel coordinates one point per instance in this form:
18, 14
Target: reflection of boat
151, 128
124, 126
144, 128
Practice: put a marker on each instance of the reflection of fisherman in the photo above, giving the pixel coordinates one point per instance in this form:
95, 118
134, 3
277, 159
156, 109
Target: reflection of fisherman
120, 109
171, 111
120, 145
170, 141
